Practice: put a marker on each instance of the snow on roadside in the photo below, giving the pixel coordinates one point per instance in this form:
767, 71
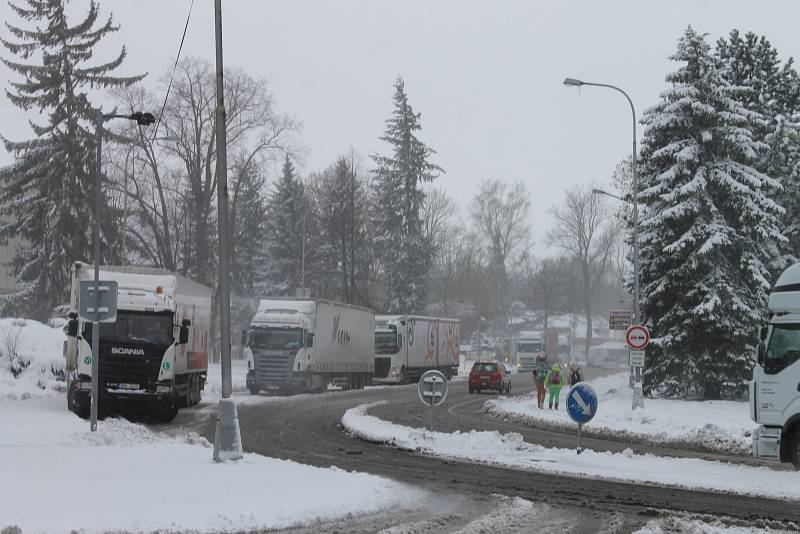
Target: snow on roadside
53, 465
723, 426
511, 451
35, 353
213, 388
696, 526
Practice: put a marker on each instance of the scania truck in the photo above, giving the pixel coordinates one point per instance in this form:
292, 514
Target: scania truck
775, 388
408, 345
154, 358
305, 345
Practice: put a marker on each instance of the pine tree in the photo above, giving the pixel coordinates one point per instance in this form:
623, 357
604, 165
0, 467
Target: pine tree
286, 209
47, 194
248, 205
707, 229
751, 64
404, 253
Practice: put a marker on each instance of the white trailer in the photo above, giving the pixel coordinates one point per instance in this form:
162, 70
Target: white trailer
408, 345
775, 388
155, 356
305, 345
529, 346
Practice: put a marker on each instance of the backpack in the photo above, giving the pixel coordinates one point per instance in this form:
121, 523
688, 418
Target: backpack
541, 372
555, 378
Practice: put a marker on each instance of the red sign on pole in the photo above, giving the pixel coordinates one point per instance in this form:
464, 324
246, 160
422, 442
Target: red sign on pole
637, 337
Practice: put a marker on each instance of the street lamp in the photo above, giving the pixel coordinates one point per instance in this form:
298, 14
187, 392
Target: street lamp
596, 191
142, 119
573, 82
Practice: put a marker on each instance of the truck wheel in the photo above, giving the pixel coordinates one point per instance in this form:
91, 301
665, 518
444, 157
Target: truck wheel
796, 449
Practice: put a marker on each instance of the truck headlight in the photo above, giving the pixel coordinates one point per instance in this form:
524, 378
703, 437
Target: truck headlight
393, 371
164, 389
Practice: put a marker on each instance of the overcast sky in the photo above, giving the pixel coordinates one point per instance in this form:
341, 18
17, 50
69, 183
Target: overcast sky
486, 76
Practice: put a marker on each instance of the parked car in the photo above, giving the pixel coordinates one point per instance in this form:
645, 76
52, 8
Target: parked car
489, 375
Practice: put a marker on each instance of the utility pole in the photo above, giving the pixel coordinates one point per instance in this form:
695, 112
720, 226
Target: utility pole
227, 438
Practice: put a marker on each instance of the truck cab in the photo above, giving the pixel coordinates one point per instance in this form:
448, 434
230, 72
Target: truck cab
280, 341
389, 352
775, 388
529, 347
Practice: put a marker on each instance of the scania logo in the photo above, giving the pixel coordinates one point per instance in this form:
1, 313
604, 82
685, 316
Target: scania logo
128, 351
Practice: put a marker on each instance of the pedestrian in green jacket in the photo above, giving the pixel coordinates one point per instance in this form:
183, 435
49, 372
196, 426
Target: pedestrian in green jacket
553, 382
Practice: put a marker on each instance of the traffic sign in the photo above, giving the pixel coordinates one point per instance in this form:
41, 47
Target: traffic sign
636, 358
581, 403
106, 305
432, 388
637, 337
619, 319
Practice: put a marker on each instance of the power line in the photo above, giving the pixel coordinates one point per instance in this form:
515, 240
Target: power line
174, 67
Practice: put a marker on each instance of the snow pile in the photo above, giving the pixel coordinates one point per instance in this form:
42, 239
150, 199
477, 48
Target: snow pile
696, 526
510, 450
213, 388
52, 466
31, 359
723, 426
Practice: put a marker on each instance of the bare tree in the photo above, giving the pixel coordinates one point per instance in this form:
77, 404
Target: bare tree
438, 211
547, 283
585, 230
253, 128
500, 213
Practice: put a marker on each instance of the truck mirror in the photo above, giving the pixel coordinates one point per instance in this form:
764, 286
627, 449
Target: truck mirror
244, 337
187, 323
183, 336
762, 333
72, 328
761, 354
310, 340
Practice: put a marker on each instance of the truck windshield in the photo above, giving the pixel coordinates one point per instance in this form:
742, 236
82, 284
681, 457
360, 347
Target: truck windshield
784, 347
386, 342
135, 327
529, 347
277, 338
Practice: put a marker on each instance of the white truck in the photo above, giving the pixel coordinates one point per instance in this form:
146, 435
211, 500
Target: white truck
408, 345
305, 345
154, 358
775, 388
529, 346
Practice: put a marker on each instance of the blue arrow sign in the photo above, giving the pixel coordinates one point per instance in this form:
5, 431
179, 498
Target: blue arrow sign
581, 403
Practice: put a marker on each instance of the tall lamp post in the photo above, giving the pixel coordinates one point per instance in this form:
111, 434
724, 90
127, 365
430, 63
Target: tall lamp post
142, 119
637, 319
227, 437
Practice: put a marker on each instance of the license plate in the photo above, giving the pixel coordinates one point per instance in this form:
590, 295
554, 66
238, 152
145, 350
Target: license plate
127, 386
484, 378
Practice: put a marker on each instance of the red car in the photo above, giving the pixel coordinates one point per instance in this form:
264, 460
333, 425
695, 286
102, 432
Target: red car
489, 375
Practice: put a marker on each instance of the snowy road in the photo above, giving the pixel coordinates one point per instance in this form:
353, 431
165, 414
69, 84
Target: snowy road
308, 429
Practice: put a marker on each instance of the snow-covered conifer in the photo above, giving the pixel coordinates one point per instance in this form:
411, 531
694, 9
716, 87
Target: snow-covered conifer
47, 194
707, 228
405, 255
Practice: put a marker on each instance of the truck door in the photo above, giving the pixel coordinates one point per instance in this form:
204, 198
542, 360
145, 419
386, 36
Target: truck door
778, 386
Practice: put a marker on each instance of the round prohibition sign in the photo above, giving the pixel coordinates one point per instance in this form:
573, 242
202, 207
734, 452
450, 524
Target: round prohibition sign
637, 337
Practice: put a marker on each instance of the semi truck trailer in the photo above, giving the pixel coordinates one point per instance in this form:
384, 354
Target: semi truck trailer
408, 345
304, 345
154, 358
775, 389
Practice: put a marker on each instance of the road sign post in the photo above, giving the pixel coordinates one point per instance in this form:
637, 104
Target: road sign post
98, 304
432, 390
637, 337
581, 406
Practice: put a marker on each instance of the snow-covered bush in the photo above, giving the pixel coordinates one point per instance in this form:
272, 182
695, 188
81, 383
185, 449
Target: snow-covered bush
31, 359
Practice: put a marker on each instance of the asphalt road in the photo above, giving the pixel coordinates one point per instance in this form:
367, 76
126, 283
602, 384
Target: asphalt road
307, 429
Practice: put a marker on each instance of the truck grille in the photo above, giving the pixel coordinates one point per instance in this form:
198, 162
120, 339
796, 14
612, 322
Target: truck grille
117, 369
273, 367
382, 366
